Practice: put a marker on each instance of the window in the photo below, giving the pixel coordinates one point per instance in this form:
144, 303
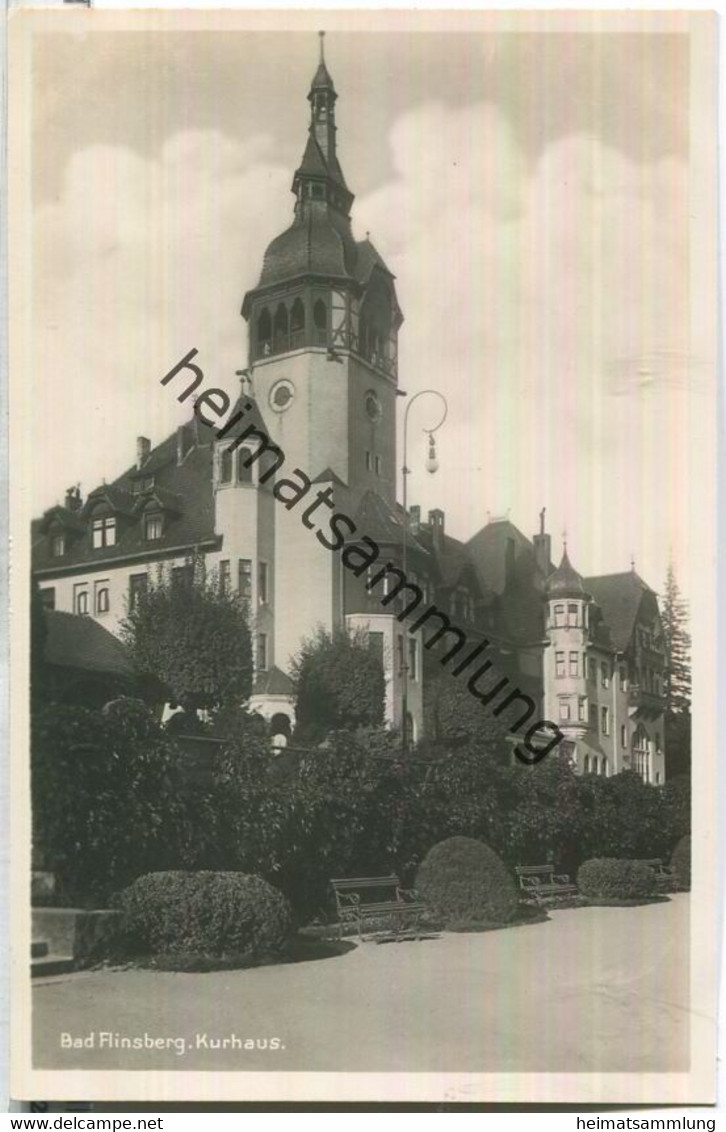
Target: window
572, 614
400, 652
412, 658
623, 735
604, 765
574, 664
605, 720
153, 526
47, 597
244, 578
658, 747
377, 462
224, 576
58, 546
80, 599
375, 644
564, 709
245, 457
101, 597
559, 665
657, 778
182, 575
582, 709
225, 466
604, 675
138, 585
104, 531
262, 595
593, 715
369, 461
262, 652
623, 678
559, 616
586, 765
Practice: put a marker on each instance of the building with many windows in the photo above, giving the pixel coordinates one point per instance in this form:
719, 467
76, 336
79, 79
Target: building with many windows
320, 397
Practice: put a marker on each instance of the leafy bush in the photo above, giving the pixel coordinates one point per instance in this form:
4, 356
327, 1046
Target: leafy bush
606, 880
229, 916
681, 861
339, 685
461, 879
106, 799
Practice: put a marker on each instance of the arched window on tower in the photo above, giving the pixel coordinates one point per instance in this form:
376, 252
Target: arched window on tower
225, 466
297, 324
320, 318
280, 337
264, 333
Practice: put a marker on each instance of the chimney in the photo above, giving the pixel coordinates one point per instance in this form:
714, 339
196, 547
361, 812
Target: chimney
143, 447
414, 514
542, 547
73, 498
436, 522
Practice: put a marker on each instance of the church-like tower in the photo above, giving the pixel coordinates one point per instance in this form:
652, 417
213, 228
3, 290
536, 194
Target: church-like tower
323, 357
323, 324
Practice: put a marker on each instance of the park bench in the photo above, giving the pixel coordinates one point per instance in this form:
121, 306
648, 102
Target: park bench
542, 883
358, 899
665, 875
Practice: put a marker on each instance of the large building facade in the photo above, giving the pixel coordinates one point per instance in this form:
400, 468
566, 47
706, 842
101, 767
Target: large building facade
322, 386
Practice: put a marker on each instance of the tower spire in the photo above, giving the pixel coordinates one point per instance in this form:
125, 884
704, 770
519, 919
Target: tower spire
322, 47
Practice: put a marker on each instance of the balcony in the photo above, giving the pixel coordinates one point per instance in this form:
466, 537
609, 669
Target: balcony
645, 703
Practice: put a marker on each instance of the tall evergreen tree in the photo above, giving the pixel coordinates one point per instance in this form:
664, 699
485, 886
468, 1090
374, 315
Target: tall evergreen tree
678, 647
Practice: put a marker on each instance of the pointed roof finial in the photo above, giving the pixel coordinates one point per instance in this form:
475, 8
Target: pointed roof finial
564, 540
322, 46
632, 562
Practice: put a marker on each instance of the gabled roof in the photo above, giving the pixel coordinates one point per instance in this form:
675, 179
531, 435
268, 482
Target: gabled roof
375, 518
619, 597
73, 641
118, 499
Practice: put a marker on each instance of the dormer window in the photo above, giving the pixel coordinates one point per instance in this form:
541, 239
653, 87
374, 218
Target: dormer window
58, 546
153, 526
104, 531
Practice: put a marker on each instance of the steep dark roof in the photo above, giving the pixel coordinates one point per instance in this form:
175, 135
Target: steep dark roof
488, 551
80, 642
619, 597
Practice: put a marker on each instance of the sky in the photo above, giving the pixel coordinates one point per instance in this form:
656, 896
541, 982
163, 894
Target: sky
530, 192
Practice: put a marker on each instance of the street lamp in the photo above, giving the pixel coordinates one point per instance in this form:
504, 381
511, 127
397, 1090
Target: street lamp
431, 465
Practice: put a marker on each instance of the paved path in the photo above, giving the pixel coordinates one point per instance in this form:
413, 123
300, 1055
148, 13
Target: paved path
593, 989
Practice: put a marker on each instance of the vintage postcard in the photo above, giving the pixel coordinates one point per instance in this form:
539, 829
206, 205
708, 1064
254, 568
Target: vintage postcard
363, 450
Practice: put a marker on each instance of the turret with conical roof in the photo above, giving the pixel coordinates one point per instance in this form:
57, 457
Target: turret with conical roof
565, 580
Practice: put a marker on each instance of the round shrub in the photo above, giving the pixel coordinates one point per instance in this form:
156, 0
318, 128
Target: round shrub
463, 880
681, 861
614, 880
222, 916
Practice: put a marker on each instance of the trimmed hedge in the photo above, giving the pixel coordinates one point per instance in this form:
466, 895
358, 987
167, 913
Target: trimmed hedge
614, 880
681, 861
463, 880
217, 915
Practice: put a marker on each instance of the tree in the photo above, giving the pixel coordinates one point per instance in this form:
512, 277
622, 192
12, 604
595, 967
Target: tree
107, 804
678, 647
677, 678
339, 685
190, 639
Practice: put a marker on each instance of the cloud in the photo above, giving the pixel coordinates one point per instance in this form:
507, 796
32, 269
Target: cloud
548, 300
537, 297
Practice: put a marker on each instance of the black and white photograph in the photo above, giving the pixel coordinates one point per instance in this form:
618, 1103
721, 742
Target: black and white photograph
363, 474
